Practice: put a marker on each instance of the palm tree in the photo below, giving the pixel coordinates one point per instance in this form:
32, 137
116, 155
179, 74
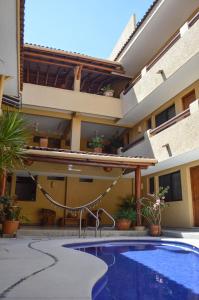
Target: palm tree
13, 137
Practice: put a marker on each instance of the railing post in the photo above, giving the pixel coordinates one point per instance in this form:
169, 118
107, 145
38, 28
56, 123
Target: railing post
138, 195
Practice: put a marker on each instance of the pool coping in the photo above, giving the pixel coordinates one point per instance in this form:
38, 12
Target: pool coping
84, 269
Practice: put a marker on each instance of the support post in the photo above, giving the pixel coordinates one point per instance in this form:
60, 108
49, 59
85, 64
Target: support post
138, 195
77, 78
75, 134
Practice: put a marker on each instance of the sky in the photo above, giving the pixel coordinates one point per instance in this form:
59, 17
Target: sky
89, 27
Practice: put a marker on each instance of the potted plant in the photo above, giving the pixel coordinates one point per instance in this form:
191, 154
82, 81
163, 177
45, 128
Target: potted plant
152, 207
108, 90
43, 142
13, 137
124, 219
10, 215
97, 143
126, 214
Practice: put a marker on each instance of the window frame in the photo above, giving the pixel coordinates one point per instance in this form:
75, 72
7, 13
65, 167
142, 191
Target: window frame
34, 188
165, 111
171, 186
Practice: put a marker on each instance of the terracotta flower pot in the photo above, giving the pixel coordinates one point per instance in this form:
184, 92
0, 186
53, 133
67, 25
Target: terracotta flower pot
10, 227
123, 224
155, 230
98, 150
107, 169
43, 142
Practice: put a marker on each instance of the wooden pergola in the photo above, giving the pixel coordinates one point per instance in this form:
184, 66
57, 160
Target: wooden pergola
62, 156
58, 68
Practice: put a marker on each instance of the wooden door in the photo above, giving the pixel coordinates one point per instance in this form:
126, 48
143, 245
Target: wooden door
195, 193
188, 99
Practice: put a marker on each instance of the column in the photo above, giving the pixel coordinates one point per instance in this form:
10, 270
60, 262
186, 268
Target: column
138, 195
75, 133
77, 78
2, 77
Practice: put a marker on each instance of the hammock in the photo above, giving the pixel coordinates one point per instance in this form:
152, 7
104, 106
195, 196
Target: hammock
77, 208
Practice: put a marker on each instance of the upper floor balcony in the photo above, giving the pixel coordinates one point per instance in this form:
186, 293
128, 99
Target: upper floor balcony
173, 68
68, 101
71, 82
176, 138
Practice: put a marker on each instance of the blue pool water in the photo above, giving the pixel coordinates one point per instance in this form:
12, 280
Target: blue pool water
146, 270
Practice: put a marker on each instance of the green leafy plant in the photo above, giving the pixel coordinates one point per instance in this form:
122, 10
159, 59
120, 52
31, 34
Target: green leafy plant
128, 203
106, 88
97, 141
13, 137
9, 210
126, 214
153, 205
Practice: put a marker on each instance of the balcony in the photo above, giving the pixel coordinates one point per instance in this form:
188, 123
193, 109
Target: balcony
44, 97
169, 72
174, 138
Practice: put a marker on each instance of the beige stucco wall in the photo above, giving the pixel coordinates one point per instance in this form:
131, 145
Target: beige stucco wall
66, 100
177, 100
181, 137
178, 213
178, 55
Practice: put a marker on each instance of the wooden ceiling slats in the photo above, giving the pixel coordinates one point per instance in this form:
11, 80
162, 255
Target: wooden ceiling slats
82, 59
71, 61
93, 74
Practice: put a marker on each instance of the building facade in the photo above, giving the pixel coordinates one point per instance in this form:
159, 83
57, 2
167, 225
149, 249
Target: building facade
153, 113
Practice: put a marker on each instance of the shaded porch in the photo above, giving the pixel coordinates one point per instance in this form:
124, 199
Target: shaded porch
124, 164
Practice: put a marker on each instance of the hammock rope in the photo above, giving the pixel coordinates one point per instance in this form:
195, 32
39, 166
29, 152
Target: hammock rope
77, 208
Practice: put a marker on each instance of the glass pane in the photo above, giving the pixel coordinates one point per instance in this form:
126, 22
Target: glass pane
25, 189
176, 187
151, 185
171, 112
165, 181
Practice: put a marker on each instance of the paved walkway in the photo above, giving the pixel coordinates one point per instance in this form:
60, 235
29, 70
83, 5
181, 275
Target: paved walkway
43, 269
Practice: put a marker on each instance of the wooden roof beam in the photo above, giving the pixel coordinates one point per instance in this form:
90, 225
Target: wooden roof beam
65, 66
61, 59
38, 72
47, 73
56, 77
84, 163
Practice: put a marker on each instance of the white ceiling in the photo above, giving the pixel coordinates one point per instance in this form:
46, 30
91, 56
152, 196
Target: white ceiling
167, 17
9, 45
89, 130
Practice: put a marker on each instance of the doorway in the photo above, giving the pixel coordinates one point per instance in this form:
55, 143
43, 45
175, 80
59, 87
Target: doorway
195, 193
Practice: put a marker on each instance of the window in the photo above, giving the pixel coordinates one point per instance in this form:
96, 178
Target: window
25, 189
55, 178
90, 180
151, 185
173, 181
165, 115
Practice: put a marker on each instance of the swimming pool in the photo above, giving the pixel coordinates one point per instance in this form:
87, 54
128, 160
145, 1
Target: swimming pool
146, 270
